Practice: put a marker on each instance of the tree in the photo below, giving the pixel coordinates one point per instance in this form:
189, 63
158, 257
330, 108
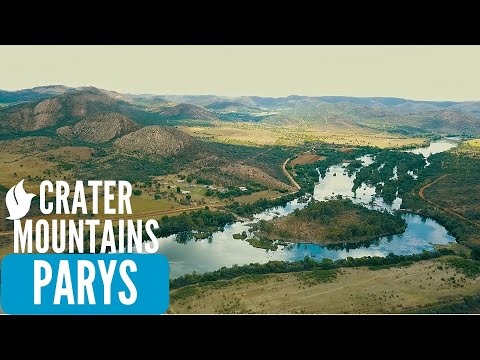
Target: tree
178, 189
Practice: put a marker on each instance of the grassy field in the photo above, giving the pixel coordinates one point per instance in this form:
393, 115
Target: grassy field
306, 159
469, 148
266, 194
14, 168
260, 134
354, 290
474, 142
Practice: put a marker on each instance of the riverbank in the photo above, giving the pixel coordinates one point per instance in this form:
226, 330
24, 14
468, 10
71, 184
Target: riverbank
223, 250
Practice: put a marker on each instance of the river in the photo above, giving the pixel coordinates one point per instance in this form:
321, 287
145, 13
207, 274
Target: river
436, 147
187, 255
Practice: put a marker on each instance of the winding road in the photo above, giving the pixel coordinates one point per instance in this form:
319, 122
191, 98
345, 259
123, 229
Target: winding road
422, 195
287, 174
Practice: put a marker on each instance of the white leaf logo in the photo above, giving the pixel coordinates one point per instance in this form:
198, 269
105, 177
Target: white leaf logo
18, 201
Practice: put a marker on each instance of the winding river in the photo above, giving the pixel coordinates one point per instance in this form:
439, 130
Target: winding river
187, 255
221, 249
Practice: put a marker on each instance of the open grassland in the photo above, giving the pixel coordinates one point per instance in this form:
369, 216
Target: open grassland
260, 135
353, 290
470, 148
306, 159
474, 142
266, 194
36, 158
15, 167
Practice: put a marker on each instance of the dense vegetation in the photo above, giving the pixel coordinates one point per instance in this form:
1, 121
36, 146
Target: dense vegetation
259, 205
382, 172
333, 222
459, 191
372, 222
470, 268
307, 175
467, 305
201, 220
306, 264
318, 276
198, 224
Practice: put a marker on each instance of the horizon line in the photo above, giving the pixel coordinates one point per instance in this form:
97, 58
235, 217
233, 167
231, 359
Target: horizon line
236, 96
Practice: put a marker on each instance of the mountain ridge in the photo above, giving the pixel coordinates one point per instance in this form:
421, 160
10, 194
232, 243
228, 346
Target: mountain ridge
57, 106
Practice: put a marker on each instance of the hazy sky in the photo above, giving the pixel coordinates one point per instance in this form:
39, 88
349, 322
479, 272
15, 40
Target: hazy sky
415, 72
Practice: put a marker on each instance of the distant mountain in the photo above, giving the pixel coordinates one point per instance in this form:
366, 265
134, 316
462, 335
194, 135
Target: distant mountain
384, 101
147, 100
57, 106
65, 109
232, 106
270, 102
348, 115
155, 140
205, 100
187, 111
36, 93
99, 128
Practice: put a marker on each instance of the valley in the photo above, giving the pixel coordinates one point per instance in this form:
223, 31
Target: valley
262, 181
255, 134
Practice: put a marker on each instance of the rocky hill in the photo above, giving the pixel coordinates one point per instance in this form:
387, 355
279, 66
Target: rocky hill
36, 93
58, 111
53, 107
155, 140
99, 128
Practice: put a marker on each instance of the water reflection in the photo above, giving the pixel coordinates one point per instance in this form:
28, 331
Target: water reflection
436, 147
187, 254
338, 183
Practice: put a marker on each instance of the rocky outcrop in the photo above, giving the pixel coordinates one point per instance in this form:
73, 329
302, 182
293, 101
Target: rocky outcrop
155, 140
99, 128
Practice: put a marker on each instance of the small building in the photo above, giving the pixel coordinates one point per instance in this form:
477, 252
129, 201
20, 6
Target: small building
185, 192
180, 181
222, 190
243, 188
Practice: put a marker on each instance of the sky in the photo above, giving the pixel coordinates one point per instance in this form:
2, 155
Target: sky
413, 72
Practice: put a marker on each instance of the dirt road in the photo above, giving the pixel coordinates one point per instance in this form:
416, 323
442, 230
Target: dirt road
287, 174
422, 189
422, 195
